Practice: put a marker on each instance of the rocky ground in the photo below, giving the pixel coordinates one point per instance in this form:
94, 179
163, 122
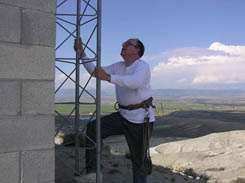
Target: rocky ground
186, 146
219, 156
116, 166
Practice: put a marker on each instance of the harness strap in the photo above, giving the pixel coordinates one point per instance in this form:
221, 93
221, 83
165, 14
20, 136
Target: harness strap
145, 104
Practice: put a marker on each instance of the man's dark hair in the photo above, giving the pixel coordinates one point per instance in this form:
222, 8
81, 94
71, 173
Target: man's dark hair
141, 48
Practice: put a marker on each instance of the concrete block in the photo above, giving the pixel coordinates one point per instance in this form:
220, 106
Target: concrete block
9, 97
10, 24
20, 133
26, 62
43, 5
47, 166
38, 28
37, 97
37, 166
9, 168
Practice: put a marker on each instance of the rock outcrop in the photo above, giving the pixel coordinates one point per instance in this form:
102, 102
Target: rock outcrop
220, 156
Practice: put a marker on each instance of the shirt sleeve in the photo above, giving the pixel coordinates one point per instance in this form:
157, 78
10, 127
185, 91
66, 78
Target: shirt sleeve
136, 80
88, 64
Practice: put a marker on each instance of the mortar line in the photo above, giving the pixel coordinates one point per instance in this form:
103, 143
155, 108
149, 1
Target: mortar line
20, 167
27, 8
21, 20
33, 80
31, 150
26, 44
21, 87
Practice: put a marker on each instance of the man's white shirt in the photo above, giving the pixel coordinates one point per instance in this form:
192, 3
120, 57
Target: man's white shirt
132, 85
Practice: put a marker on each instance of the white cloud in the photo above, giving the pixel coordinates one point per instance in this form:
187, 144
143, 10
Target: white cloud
205, 79
190, 52
231, 49
193, 67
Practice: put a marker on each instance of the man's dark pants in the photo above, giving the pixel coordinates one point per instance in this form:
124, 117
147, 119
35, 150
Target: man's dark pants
115, 124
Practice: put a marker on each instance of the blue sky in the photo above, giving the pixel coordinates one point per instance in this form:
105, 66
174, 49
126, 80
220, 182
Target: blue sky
189, 43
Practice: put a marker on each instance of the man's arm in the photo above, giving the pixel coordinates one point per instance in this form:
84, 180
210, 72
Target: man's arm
89, 66
135, 80
98, 72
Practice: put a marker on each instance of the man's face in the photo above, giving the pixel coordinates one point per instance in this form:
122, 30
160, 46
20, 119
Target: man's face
129, 48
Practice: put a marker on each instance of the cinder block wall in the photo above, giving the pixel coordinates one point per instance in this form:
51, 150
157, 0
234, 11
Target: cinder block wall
27, 55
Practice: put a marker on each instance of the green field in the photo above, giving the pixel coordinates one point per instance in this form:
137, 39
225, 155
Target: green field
162, 107
84, 109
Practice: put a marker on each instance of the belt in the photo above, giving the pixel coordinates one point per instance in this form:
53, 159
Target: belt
145, 104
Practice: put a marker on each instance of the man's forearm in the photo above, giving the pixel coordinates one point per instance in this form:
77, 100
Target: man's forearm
88, 65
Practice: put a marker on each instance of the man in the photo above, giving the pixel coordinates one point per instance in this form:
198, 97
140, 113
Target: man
131, 78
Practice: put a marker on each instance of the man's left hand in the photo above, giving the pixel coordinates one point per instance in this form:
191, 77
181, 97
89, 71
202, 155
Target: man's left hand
101, 74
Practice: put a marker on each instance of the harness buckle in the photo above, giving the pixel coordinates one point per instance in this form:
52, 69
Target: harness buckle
116, 106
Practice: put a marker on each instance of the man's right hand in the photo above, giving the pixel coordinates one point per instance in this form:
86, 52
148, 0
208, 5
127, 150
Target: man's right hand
78, 46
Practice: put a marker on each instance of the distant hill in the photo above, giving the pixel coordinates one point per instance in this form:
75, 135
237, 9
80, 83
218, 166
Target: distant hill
197, 93
172, 94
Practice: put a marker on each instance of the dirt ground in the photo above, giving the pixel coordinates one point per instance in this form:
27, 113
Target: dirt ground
116, 169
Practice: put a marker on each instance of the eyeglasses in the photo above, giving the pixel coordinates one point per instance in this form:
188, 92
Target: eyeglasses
127, 43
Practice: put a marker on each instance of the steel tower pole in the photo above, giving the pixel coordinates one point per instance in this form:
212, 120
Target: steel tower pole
77, 115
98, 96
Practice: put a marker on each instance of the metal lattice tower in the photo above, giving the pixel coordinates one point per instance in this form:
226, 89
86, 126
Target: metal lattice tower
75, 18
